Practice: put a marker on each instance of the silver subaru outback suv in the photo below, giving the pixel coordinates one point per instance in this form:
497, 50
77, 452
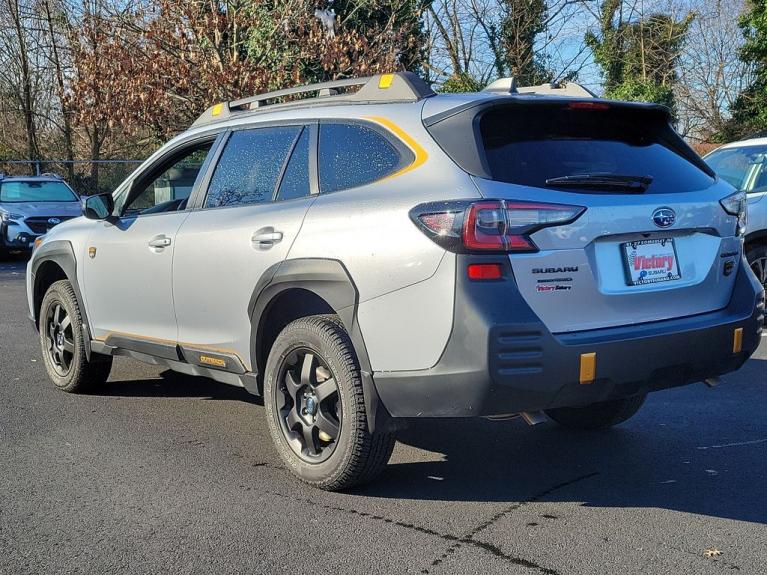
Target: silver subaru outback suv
378, 252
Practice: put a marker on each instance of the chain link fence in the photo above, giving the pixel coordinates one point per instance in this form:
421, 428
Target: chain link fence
86, 177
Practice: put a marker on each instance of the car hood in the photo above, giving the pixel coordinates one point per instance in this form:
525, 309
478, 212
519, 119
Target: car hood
43, 209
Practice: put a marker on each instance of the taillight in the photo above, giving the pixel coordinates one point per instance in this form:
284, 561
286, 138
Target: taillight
736, 205
490, 225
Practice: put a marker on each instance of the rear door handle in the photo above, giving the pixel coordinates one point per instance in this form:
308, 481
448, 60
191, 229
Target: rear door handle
159, 242
266, 237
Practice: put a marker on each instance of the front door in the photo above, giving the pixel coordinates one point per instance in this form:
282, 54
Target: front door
128, 266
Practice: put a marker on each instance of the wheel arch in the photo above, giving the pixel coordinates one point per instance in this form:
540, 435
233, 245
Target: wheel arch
754, 239
54, 261
301, 287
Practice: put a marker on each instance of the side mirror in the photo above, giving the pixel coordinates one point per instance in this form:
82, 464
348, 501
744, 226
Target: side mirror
98, 207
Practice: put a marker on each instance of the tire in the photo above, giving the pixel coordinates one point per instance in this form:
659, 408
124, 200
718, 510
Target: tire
63, 345
598, 415
757, 259
308, 358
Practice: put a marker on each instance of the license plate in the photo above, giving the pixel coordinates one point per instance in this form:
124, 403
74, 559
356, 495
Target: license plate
650, 261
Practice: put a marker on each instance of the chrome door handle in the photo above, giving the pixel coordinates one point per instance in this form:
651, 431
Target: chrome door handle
266, 238
160, 242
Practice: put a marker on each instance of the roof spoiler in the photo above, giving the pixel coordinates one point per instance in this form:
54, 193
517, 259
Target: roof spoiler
566, 89
399, 87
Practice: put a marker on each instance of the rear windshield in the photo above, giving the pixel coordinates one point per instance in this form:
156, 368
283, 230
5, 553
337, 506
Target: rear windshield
35, 192
529, 145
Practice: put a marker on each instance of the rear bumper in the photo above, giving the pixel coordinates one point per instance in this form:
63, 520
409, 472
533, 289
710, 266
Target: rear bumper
501, 358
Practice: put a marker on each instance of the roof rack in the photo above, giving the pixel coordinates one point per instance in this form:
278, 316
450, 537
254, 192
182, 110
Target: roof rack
399, 87
566, 89
51, 175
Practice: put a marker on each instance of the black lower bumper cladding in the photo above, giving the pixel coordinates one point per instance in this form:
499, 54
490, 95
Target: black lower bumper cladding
500, 357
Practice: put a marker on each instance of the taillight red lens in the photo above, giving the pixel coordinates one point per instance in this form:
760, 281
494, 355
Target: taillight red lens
485, 226
440, 223
484, 271
489, 225
505, 225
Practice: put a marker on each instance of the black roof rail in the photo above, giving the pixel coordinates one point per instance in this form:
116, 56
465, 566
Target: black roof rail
398, 87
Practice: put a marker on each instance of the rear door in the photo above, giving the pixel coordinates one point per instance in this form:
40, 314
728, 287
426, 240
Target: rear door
256, 199
654, 242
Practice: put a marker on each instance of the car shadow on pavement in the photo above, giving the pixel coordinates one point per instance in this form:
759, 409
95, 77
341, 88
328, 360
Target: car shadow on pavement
630, 466
691, 449
173, 384
684, 451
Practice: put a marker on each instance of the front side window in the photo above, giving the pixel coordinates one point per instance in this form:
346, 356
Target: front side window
744, 168
352, 155
167, 187
250, 166
18, 192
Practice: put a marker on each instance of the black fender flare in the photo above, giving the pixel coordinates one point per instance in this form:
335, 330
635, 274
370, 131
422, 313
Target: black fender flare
330, 280
62, 254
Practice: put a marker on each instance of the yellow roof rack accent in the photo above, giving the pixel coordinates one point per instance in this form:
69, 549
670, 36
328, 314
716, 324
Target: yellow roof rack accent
398, 87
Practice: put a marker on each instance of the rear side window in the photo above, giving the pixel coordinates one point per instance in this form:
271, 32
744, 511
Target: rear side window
529, 145
295, 181
250, 166
353, 155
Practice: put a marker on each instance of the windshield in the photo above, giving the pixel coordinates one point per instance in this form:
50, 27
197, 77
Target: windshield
540, 146
35, 192
743, 167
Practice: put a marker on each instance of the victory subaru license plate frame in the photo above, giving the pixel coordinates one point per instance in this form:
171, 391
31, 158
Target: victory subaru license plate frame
654, 261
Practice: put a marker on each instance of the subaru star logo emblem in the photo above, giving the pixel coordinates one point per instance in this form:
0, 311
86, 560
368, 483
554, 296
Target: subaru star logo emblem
664, 217
54, 221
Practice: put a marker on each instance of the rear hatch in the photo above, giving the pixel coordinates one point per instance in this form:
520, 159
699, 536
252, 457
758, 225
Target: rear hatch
653, 243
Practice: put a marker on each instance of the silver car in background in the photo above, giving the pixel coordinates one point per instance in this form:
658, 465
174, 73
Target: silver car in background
743, 164
30, 206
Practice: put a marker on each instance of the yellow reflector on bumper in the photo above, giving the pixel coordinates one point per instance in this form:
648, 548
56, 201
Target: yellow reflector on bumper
588, 368
737, 340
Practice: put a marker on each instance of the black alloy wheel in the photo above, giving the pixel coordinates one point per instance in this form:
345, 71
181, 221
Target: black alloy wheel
59, 339
309, 408
759, 267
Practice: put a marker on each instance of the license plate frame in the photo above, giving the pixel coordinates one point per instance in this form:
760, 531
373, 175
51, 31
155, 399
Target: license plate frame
640, 277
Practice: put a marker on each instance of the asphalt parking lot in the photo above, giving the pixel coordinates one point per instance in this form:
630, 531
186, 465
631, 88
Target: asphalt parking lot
166, 473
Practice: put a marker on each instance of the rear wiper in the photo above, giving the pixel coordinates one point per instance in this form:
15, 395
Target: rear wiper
632, 184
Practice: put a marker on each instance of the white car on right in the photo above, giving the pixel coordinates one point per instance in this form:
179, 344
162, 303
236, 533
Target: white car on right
744, 165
